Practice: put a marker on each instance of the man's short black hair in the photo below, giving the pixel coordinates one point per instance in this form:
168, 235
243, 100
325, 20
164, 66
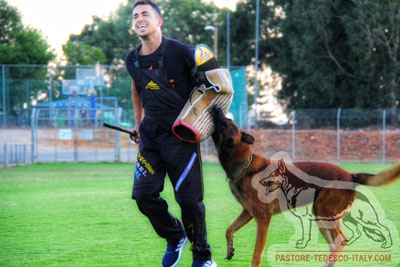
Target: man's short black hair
150, 3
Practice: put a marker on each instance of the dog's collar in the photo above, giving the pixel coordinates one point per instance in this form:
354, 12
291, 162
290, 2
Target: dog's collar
243, 168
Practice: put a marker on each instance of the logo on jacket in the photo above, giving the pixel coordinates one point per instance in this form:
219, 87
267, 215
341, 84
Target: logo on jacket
152, 86
203, 55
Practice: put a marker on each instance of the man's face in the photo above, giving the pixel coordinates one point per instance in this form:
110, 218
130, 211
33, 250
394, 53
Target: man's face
146, 21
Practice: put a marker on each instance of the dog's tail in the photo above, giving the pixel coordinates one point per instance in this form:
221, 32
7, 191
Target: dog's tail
382, 178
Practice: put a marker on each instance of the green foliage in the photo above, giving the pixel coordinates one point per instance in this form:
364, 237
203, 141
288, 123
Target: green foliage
330, 54
27, 46
184, 20
335, 53
374, 28
243, 31
21, 45
10, 22
78, 53
111, 36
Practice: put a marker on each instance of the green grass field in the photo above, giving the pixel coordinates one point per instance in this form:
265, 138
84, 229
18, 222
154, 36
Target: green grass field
82, 215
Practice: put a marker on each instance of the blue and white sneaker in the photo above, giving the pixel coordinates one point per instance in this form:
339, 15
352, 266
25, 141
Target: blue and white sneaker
173, 253
209, 263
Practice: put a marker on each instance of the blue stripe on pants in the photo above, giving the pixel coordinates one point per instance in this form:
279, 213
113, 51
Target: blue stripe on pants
185, 171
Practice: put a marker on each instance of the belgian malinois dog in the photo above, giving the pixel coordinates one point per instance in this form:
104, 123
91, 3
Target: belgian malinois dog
331, 200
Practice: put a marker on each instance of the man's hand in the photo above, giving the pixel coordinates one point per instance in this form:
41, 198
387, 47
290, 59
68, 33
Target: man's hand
135, 138
139, 113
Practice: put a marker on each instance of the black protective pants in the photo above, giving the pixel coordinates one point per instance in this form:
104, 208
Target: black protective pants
161, 153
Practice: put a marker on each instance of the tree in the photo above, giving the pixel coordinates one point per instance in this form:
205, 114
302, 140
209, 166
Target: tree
78, 53
330, 54
10, 21
243, 31
335, 53
374, 28
26, 46
21, 45
110, 36
184, 20
243, 45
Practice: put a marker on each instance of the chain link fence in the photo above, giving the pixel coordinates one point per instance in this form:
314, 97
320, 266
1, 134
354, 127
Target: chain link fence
334, 135
40, 123
54, 123
24, 87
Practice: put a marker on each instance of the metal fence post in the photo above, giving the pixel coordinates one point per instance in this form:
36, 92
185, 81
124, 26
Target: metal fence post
16, 153
338, 133
21, 154
11, 153
256, 63
27, 98
53, 117
16, 147
95, 142
20, 151
24, 155
75, 122
127, 149
15, 159
117, 156
384, 136
3, 79
293, 136
5, 156
51, 92
33, 136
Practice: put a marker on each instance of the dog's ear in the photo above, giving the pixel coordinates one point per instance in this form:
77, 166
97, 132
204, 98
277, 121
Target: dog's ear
281, 166
247, 138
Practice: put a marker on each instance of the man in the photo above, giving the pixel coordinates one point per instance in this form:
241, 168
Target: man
161, 84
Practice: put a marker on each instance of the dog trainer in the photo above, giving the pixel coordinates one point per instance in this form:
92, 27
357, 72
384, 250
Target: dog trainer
161, 71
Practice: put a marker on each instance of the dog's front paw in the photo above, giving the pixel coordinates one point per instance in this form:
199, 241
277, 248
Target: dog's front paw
301, 243
386, 244
345, 242
230, 254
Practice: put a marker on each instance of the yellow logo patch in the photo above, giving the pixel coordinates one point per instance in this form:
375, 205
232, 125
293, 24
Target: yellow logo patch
144, 162
152, 86
203, 54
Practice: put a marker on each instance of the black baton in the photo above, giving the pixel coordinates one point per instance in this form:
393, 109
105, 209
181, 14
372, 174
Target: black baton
134, 134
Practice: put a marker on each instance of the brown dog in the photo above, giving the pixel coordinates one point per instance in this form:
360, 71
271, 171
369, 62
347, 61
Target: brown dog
331, 200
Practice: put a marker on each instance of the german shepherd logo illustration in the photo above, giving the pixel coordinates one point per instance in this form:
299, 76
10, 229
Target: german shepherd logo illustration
360, 218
